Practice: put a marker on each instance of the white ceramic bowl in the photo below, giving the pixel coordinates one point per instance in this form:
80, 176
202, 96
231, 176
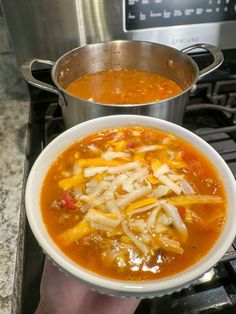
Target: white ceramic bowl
111, 286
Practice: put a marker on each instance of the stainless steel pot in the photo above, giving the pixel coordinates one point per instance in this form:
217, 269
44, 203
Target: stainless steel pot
144, 56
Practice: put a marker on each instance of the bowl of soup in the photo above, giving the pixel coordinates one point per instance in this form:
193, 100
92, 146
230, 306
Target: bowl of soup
123, 77
132, 206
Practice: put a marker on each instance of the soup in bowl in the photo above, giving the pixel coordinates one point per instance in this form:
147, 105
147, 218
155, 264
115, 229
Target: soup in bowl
132, 205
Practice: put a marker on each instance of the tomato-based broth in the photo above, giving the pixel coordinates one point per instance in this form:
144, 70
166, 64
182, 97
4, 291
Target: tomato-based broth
133, 203
123, 86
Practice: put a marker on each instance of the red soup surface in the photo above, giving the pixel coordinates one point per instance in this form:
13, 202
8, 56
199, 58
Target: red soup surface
133, 203
123, 86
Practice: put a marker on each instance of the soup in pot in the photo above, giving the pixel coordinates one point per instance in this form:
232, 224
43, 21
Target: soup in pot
123, 86
133, 203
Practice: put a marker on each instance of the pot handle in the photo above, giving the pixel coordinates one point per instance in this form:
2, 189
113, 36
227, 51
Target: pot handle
26, 71
214, 51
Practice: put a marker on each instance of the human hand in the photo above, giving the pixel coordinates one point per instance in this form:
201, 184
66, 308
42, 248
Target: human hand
63, 295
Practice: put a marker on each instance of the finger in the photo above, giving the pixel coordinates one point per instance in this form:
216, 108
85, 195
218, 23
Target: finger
61, 292
106, 305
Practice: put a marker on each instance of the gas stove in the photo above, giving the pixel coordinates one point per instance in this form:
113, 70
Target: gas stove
211, 113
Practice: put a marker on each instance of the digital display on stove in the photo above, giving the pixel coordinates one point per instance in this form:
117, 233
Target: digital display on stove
142, 14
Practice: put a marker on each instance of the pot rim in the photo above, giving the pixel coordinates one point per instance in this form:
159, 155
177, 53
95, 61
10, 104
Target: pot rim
194, 64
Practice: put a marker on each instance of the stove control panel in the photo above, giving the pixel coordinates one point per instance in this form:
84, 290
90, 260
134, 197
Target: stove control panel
143, 14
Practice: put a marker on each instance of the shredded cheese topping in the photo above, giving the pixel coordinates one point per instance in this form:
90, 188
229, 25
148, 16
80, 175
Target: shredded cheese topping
125, 193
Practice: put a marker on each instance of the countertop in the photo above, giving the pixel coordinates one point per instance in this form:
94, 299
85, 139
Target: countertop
14, 107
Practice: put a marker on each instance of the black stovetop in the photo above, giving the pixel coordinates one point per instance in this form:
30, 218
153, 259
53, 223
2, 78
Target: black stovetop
216, 291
